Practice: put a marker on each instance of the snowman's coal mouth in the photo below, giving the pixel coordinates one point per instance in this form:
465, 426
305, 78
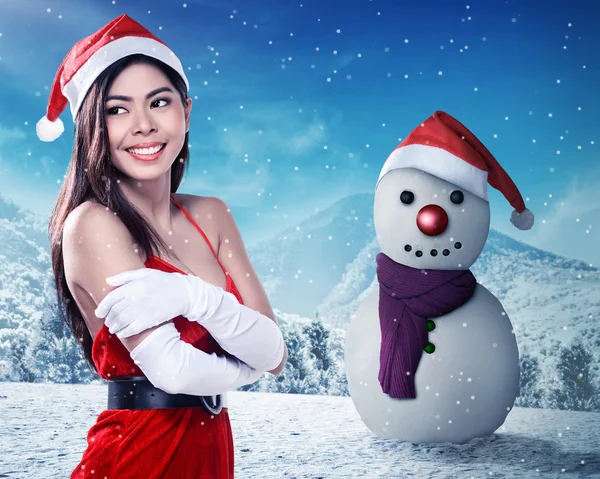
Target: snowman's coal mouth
434, 252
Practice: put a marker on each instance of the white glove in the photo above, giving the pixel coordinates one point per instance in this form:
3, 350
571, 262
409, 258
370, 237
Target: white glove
147, 297
177, 367
247, 334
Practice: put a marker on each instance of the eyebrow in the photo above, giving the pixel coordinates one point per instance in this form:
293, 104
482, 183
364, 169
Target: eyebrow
148, 96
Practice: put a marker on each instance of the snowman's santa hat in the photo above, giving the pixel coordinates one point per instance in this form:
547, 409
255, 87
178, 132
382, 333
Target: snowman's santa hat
445, 148
89, 58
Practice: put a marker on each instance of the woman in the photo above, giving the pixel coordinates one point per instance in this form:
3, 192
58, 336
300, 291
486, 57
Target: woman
174, 333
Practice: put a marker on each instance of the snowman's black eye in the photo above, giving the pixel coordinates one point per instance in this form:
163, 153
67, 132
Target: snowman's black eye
457, 197
407, 197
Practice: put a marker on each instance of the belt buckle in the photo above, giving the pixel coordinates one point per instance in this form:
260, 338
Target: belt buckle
213, 407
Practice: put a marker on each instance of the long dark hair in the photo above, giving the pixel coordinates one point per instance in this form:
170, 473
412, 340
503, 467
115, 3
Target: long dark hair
89, 178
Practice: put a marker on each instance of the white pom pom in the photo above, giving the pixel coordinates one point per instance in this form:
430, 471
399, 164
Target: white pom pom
522, 220
49, 130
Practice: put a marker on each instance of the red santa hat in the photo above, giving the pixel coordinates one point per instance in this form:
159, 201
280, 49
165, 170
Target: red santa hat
445, 148
89, 58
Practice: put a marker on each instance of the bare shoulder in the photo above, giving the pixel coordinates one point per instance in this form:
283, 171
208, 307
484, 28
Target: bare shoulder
232, 251
212, 212
88, 213
92, 228
202, 204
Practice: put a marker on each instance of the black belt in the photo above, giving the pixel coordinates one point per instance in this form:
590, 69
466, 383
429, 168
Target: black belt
137, 392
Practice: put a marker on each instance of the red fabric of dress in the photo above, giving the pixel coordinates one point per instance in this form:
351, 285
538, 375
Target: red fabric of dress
176, 443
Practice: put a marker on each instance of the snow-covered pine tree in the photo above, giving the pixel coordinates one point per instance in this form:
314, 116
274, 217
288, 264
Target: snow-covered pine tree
293, 377
318, 349
576, 387
530, 395
315, 361
54, 355
338, 383
18, 367
296, 370
318, 336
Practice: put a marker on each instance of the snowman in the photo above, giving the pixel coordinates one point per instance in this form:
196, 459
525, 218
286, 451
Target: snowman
431, 355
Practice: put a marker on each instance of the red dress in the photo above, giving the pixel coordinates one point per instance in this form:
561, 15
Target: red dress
176, 443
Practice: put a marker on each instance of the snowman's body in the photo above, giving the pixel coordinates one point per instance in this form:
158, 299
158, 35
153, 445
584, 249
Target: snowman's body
465, 389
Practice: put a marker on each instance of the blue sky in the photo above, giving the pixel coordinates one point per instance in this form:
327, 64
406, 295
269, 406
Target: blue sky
299, 103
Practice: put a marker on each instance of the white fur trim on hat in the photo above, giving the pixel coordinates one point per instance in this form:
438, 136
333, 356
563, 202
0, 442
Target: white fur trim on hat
75, 90
523, 220
49, 130
440, 163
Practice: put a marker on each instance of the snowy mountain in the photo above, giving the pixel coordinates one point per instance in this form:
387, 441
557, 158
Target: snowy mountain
300, 266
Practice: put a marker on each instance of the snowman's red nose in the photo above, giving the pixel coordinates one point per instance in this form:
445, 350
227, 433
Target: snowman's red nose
432, 220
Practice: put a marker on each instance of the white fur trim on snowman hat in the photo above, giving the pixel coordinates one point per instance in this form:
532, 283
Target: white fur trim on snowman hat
522, 220
439, 163
49, 130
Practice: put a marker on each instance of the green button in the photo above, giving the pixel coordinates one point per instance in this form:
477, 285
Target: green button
430, 348
430, 325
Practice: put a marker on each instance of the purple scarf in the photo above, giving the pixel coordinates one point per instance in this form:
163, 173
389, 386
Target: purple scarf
407, 297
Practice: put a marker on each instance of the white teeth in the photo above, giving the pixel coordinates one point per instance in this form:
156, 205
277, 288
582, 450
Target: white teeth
146, 151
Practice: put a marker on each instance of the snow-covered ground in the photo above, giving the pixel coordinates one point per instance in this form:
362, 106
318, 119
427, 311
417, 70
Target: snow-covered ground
43, 428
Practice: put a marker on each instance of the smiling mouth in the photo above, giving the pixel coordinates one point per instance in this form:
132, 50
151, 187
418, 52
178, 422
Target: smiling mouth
434, 252
147, 151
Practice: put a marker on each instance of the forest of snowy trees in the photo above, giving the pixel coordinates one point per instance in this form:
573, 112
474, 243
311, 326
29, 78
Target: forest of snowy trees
575, 385
315, 365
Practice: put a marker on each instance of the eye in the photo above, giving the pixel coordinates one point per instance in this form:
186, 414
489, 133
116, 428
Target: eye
114, 110
457, 197
407, 197
154, 103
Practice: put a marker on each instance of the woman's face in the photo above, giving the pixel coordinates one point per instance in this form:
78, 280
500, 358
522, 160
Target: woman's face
146, 122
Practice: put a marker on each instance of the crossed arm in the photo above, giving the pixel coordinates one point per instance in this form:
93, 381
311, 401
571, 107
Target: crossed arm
97, 245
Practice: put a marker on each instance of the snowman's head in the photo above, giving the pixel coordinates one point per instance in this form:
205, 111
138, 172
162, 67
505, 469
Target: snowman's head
424, 222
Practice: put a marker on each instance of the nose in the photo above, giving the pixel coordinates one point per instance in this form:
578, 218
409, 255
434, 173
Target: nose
143, 123
432, 220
